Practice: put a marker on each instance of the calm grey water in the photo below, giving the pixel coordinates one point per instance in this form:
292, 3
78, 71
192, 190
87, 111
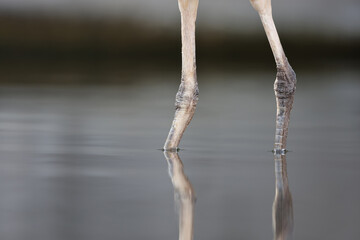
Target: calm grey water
82, 162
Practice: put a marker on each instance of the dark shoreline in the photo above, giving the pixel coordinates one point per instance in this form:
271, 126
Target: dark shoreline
33, 45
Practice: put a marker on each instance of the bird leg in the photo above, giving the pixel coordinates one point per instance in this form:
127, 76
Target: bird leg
285, 82
187, 95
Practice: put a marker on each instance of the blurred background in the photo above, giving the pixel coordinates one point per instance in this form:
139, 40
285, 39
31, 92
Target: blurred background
124, 38
87, 90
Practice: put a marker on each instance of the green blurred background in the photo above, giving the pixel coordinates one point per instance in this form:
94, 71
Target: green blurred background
116, 41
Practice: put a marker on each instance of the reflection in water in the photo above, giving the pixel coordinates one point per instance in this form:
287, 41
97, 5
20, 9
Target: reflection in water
283, 219
184, 195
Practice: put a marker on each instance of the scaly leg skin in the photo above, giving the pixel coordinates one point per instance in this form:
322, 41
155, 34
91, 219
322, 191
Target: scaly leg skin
187, 96
285, 82
184, 195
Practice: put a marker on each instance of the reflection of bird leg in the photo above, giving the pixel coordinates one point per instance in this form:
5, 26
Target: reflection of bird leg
285, 82
283, 219
184, 195
187, 96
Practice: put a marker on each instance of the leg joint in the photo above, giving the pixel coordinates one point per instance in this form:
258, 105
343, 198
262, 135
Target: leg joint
187, 96
285, 82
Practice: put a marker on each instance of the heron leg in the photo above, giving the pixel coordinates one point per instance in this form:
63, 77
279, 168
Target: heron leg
187, 95
285, 82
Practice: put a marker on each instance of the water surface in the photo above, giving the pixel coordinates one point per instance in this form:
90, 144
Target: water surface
82, 162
